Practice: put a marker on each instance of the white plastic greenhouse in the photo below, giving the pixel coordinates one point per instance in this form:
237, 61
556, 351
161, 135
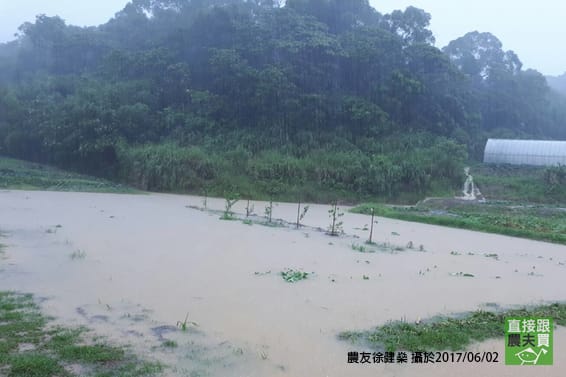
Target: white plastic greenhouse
525, 152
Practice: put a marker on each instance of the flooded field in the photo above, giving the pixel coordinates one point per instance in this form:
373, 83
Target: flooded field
132, 266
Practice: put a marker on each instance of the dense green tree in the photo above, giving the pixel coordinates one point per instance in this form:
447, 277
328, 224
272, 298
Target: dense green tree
312, 95
481, 56
338, 15
410, 24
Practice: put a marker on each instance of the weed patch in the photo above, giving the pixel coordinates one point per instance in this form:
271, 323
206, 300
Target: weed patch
78, 254
184, 325
449, 333
29, 347
170, 344
293, 276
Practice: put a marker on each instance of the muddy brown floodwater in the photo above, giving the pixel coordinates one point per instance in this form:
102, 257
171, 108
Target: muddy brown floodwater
131, 266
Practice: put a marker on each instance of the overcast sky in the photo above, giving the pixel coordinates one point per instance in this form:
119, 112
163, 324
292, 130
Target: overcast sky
535, 30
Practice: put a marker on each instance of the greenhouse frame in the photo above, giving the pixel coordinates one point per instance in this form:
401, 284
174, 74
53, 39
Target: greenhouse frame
525, 152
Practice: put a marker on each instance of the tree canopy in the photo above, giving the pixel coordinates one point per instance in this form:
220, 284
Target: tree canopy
262, 79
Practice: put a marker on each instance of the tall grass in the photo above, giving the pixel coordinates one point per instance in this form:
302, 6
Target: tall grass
319, 175
165, 167
24, 175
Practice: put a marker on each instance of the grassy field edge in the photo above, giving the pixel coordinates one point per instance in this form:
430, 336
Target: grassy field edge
31, 346
448, 333
24, 175
488, 222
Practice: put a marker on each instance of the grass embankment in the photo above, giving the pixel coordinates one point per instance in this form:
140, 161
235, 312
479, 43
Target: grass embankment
542, 223
444, 333
23, 175
521, 184
30, 347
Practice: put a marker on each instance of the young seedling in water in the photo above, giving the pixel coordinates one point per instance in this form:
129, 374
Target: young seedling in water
185, 324
335, 227
231, 199
370, 241
301, 215
170, 344
269, 210
205, 199
249, 209
464, 274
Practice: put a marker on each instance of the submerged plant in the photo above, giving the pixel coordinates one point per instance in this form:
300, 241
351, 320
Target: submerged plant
78, 254
463, 274
257, 273
292, 276
361, 248
186, 323
170, 344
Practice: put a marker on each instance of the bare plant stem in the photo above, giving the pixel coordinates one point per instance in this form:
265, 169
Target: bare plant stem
371, 227
298, 214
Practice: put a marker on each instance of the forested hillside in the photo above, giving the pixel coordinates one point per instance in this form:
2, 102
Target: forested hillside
315, 98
